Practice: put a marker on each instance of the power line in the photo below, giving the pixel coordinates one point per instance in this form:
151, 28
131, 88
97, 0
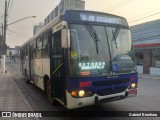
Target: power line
120, 4
113, 3
1, 19
10, 9
145, 17
123, 3
18, 33
2, 16
26, 28
8, 5
146, 13
1, 8
1, 23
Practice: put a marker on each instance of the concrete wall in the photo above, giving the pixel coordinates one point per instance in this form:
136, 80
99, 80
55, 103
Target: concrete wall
154, 71
140, 69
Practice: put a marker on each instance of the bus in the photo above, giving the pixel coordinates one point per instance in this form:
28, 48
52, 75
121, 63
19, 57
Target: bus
82, 58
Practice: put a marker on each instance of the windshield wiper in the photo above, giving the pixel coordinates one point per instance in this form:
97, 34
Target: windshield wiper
93, 34
115, 34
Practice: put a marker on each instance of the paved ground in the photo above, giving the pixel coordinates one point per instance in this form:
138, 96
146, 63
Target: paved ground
11, 97
148, 76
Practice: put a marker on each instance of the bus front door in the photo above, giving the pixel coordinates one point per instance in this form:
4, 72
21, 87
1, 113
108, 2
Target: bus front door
57, 67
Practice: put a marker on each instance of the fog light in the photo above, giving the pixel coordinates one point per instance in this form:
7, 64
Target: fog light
81, 93
133, 85
88, 93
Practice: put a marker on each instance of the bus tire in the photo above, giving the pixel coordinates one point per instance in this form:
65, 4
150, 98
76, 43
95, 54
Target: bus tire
26, 78
49, 93
46, 78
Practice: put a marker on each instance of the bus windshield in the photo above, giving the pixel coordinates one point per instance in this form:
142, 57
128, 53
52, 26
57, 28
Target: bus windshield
94, 48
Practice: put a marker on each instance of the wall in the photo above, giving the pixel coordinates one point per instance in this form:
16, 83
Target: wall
154, 71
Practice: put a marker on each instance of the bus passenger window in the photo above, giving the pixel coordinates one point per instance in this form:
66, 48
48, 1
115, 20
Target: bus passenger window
45, 47
39, 48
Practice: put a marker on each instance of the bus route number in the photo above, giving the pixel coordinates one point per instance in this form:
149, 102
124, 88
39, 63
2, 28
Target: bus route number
85, 84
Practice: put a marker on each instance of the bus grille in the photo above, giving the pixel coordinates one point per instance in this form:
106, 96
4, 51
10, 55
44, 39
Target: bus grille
110, 82
110, 91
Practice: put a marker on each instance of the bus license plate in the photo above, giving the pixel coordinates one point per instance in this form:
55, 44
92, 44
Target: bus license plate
132, 91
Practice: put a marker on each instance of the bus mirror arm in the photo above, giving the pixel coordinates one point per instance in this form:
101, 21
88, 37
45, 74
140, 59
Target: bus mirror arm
64, 39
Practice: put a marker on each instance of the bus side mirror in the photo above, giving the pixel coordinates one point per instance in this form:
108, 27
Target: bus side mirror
65, 39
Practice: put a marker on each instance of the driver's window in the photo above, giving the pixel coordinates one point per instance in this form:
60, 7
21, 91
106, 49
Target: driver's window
57, 44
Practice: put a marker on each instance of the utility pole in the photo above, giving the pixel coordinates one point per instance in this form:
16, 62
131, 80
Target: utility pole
2, 34
4, 39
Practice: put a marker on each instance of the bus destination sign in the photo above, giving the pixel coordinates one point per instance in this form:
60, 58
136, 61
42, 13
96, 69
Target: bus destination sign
98, 18
90, 16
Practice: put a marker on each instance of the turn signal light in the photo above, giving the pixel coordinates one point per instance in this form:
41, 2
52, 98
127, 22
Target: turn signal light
74, 93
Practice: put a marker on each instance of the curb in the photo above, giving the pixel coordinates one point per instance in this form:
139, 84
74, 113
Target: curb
155, 78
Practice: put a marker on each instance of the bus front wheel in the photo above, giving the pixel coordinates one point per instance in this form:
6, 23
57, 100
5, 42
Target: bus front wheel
49, 93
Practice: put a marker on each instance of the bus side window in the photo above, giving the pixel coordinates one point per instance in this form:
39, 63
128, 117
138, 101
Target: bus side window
32, 50
26, 52
38, 48
45, 46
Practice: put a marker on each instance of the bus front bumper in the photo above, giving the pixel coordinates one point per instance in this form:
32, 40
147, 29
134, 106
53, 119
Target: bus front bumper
73, 103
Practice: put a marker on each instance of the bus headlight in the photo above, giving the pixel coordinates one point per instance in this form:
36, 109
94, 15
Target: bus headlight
133, 85
81, 93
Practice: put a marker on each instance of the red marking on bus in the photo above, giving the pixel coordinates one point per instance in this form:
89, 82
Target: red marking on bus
84, 73
132, 78
85, 84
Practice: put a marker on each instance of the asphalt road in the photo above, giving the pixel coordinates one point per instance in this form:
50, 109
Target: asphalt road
148, 98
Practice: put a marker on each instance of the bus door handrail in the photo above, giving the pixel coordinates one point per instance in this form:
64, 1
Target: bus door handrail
57, 69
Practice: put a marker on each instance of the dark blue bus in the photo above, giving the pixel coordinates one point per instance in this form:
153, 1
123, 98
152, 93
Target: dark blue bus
82, 58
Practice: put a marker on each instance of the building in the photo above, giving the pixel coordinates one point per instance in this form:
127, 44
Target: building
146, 40
37, 28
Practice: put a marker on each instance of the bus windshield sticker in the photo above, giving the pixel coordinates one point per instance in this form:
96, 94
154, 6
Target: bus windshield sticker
115, 67
74, 54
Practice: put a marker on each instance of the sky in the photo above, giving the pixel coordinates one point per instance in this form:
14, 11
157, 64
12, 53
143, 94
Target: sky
20, 32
